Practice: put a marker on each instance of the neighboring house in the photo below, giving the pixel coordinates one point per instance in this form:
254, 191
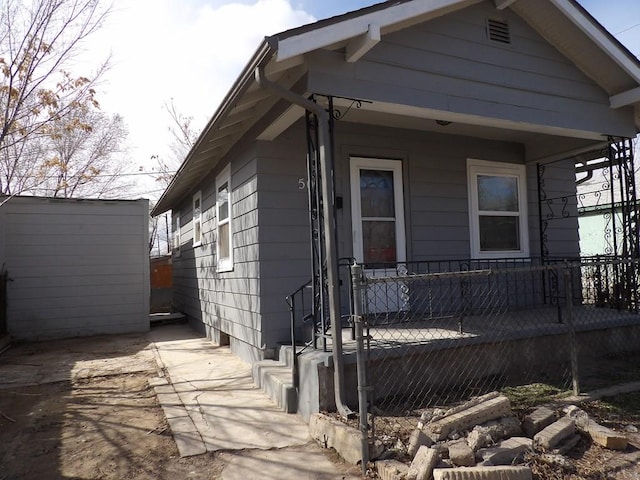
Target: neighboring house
601, 209
75, 267
161, 284
440, 116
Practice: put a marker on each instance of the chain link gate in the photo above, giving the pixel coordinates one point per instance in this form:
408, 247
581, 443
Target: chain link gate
468, 332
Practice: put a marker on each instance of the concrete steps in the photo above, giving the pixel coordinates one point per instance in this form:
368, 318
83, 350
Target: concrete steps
275, 378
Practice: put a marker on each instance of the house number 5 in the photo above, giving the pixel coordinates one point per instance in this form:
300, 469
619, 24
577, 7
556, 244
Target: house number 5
302, 184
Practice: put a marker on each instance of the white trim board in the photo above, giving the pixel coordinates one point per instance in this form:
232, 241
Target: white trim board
598, 37
395, 166
341, 31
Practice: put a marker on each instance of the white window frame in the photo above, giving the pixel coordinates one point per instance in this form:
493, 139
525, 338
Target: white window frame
477, 167
197, 219
226, 264
395, 166
176, 234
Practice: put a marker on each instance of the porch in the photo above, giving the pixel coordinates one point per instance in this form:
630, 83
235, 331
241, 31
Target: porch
470, 326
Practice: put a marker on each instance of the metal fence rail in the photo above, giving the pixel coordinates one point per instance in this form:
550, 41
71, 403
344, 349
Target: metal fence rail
432, 337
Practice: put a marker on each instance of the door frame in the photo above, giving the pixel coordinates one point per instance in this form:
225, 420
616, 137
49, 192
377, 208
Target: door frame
367, 163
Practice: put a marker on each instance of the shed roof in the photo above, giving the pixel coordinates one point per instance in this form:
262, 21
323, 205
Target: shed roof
564, 23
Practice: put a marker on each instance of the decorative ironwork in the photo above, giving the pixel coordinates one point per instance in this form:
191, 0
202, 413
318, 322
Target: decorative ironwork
318, 315
607, 190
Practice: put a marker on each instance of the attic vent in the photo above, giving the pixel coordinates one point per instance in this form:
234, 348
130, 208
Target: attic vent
498, 31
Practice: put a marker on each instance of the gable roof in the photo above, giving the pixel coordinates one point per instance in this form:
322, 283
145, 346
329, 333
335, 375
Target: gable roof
563, 23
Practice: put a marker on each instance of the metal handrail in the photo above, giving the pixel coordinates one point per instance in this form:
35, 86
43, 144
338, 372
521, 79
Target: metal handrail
291, 301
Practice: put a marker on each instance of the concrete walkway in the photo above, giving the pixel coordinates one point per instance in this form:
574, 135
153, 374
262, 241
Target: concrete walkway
212, 404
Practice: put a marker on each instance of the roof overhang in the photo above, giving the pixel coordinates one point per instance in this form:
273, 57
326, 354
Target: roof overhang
283, 57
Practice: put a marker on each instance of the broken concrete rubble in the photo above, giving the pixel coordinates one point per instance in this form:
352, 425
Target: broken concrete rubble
461, 420
537, 420
417, 440
391, 470
552, 435
491, 432
422, 466
461, 454
506, 452
600, 434
461, 443
483, 473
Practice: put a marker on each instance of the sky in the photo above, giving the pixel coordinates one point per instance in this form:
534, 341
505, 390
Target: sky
191, 51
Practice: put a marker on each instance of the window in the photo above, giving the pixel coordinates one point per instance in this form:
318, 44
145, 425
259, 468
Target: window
224, 246
497, 209
176, 234
197, 219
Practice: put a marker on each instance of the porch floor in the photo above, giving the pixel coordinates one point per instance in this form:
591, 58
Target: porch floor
445, 332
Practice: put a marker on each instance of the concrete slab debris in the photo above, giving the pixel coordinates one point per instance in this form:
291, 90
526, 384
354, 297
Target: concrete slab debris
491, 432
483, 473
418, 439
483, 412
422, 466
506, 451
537, 420
391, 470
600, 434
461, 454
331, 433
552, 435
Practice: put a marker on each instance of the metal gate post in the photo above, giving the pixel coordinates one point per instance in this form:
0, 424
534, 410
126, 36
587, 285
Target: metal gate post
358, 286
573, 341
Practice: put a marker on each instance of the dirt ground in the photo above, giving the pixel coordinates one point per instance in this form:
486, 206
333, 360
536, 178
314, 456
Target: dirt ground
93, 428
82, 409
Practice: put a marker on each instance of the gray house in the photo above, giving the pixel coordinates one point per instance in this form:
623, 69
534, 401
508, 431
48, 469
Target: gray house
408, 131
75, 267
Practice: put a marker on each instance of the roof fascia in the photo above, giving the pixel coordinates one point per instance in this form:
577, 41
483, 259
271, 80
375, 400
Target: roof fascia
260, 57
342, 30
590, 27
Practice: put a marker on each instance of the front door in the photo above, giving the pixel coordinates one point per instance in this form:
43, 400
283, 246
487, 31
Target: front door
377, 209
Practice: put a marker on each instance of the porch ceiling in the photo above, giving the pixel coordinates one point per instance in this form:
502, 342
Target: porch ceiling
541, 143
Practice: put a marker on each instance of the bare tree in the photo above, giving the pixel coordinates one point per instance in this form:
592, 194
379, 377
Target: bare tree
86, 155
183, 133
183, 138
38, 42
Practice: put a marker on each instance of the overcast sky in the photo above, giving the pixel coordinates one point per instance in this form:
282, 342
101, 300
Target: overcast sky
192, 50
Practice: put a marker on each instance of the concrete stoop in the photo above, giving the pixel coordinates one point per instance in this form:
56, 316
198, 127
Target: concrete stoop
274, 377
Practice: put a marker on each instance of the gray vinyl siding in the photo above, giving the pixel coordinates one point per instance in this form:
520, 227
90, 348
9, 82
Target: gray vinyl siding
77, 267
449, 65
227, 302
435, 201
284, 229
271, 233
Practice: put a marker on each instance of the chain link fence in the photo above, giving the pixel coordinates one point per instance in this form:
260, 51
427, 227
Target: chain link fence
434, 333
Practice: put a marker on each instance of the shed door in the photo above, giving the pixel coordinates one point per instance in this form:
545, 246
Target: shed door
378, 226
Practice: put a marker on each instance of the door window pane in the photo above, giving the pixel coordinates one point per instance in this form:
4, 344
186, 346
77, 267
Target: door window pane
497, 193
376, 193
379, 241
499, 233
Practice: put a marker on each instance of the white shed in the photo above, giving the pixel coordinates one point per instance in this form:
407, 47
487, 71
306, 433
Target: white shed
75, 267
